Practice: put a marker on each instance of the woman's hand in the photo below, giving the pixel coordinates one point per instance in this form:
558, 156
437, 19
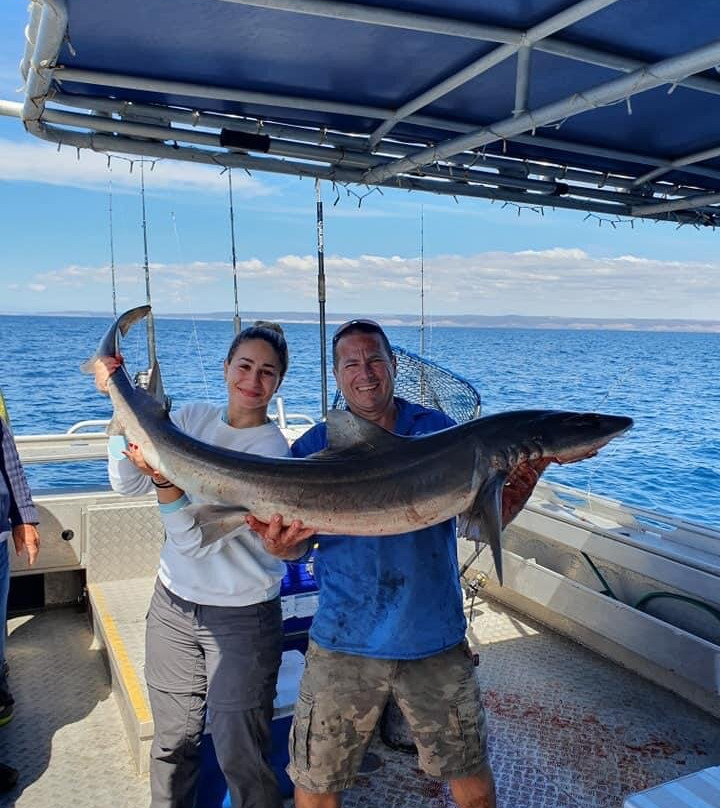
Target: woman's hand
283, 542
166, 491
135, 455
103, 368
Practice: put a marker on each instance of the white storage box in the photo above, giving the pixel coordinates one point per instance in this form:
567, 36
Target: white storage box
698, 790
291, 671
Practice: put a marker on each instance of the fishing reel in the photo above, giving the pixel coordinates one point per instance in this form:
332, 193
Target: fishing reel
143, 379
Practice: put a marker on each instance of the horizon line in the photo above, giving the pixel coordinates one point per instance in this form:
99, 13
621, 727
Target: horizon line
414, 319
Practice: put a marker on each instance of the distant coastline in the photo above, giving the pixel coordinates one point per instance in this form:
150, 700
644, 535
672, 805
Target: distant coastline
439, 320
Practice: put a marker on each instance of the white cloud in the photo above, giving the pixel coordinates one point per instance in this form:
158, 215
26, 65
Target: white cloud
558, 253
556, 282
39, 162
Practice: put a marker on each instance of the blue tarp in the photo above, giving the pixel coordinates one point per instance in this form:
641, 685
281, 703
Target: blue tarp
322, 60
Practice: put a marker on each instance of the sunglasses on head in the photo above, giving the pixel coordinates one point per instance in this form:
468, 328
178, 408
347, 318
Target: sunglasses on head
365, 325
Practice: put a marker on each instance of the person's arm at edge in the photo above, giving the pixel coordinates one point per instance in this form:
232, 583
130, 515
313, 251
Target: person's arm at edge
23, 514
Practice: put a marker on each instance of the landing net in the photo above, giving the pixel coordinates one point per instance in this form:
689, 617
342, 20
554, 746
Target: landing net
423, 382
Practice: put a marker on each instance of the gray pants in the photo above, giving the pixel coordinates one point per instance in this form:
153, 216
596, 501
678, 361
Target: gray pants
214, 666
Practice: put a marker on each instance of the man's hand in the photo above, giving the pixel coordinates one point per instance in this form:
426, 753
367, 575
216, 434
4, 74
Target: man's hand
26, 538
284, 542
103, 368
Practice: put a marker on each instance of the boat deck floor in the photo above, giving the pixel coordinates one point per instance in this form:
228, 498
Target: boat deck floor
567, 728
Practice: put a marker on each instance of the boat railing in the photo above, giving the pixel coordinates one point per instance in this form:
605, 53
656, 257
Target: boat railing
69, 446
81, 425
619, 533
87, 439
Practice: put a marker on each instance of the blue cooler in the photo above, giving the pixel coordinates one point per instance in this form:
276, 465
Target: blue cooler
299, 598
212, 791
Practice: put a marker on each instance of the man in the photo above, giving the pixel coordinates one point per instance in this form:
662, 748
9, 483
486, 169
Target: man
390, 620
17, 517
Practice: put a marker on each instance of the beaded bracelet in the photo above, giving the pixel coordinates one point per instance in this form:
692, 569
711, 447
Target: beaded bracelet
166, 484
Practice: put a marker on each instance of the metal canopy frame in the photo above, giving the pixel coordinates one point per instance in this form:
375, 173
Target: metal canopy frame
501, 116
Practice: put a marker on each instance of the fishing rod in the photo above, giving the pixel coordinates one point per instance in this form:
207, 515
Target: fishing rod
152, 357
422, 280
112, 250
321, 295
237, 324
423, 379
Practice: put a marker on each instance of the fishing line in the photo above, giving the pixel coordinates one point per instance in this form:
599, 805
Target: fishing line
192, 316
620, 378
112, 245
425, 349
614, 447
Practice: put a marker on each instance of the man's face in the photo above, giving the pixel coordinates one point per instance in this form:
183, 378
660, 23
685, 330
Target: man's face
365, 374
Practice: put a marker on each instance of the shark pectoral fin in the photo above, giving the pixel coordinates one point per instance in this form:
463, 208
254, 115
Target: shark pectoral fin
88, 366
217, 521
482, 521
519, 487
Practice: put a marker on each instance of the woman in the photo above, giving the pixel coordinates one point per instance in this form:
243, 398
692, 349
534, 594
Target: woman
214, 627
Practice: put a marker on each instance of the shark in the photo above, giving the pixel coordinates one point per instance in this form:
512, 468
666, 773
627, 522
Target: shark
368, 481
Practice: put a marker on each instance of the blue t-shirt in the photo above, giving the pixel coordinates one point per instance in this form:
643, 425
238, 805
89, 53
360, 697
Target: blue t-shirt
392, 597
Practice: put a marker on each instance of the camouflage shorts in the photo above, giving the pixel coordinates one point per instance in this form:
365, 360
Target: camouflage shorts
342, 696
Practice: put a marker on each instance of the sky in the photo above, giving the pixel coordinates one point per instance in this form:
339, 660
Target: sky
56, 249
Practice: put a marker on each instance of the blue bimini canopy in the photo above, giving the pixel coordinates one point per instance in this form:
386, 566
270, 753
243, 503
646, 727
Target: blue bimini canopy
608, 106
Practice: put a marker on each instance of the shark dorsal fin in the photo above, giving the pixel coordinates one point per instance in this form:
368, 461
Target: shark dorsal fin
156, 389
348, 434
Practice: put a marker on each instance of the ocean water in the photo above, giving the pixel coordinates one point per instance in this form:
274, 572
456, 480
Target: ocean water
668, 382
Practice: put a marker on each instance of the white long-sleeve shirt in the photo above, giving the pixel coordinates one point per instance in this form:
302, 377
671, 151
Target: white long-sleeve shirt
236, 571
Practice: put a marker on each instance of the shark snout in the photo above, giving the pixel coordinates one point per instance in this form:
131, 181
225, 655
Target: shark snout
603, 425
581, 435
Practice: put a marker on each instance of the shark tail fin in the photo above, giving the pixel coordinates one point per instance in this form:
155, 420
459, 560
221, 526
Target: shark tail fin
109, 344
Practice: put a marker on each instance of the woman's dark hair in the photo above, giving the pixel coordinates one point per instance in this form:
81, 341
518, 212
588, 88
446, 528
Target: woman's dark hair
271, 333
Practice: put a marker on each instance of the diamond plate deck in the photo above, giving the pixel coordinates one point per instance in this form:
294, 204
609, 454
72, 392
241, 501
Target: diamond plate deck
67, 738
568, 729
127, 537
118, 611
